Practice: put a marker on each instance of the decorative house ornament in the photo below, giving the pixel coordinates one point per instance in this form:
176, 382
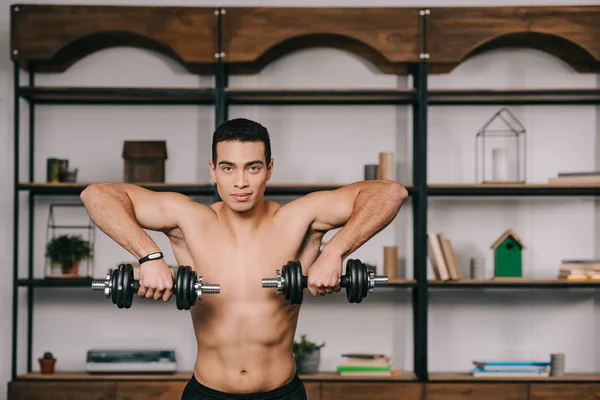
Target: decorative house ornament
508, 256
500, 150
144, 161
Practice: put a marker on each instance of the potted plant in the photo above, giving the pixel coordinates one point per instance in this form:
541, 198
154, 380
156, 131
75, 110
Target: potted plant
67, 251
47, 363
307, 355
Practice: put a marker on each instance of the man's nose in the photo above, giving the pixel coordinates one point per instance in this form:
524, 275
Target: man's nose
241, 180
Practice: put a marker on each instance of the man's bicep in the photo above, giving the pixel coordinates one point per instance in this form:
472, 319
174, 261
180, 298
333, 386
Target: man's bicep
158, 211
331, 209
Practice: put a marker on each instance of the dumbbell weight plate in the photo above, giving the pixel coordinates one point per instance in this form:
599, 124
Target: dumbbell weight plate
114, 278
190, 295
127, 295
121, 286
351, 289
185, 289
177, 289
365, 280
298, 283
286, 276
292, 277
121, 296
357, 286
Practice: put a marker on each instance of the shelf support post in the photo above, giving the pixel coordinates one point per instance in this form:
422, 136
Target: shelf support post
30, 222
15, 299
221, 82
420, 291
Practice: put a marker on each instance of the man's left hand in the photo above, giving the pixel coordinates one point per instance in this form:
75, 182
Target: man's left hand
324, 275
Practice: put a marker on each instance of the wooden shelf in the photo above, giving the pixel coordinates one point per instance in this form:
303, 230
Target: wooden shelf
515, 189
515, 283
459, 377
87, 282
185, 376
513, 96
318, 96
117, 95
83, 376
334, 376
303, 96
42, 188
402, 282
57, 282
200, 188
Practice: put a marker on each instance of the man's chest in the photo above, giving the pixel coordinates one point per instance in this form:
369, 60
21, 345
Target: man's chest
239, 263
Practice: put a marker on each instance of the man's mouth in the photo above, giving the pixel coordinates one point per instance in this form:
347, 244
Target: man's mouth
241, 196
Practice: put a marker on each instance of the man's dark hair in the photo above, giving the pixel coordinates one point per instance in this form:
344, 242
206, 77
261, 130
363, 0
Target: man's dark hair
243, 130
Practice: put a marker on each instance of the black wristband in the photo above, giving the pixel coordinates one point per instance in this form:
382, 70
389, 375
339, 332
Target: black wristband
152, 256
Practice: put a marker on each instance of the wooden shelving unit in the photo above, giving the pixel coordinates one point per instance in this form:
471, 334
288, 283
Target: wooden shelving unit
467, 377
525, 189
453, 97
237, 96
185, 376
198, 189
515, 283
51, 38
117, 95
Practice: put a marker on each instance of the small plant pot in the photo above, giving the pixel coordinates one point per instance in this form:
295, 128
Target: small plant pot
310, 363
47, 365
71, 269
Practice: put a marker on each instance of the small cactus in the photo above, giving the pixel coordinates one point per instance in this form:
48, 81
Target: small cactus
48, 356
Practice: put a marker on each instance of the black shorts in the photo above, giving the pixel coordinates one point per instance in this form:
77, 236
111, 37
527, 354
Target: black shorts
293, 390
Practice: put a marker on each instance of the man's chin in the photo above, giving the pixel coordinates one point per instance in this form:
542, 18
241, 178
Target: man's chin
240, 206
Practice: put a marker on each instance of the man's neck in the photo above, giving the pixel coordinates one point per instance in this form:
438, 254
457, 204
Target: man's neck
246, 222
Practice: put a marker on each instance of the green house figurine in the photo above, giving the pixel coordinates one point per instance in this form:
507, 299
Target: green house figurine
508, 260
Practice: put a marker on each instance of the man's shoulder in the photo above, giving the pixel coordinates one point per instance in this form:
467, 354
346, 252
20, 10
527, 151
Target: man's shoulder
185, 206
302, 206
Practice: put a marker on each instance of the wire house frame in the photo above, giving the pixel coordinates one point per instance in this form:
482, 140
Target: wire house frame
51, 232
514, 129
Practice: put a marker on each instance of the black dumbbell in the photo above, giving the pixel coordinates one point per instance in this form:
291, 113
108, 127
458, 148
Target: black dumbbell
358, 281
187, 287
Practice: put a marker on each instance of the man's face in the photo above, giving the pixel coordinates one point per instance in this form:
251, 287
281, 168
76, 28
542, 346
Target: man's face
240, 173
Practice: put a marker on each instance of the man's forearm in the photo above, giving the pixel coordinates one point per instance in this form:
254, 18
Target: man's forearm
374, 208
111, 210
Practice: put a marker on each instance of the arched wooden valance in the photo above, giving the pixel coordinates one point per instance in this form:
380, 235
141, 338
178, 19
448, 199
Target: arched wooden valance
570, 52
387, 37
569, 33
54, 37
296, 43
391, 38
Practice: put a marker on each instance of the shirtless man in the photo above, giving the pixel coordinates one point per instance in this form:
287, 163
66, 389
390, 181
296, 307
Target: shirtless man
244, 334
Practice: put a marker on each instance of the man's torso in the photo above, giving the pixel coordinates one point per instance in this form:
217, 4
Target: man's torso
244, 333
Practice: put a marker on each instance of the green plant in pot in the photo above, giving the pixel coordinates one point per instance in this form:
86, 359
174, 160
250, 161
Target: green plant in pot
47, 363
307, 355
67, 251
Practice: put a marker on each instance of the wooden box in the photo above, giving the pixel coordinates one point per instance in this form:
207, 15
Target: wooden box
144, 161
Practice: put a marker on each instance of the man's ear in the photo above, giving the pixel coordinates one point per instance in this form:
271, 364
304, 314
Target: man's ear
212, 171
270, 168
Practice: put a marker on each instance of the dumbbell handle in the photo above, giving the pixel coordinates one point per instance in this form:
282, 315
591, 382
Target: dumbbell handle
378, 280
207, 288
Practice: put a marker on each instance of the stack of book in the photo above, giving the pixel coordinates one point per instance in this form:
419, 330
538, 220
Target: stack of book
365, 364
442, 257
491, 369
576, 178
579, 269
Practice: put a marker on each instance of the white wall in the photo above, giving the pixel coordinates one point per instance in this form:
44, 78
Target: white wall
464, 325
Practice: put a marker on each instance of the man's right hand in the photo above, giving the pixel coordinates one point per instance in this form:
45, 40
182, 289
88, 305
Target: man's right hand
156, 280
